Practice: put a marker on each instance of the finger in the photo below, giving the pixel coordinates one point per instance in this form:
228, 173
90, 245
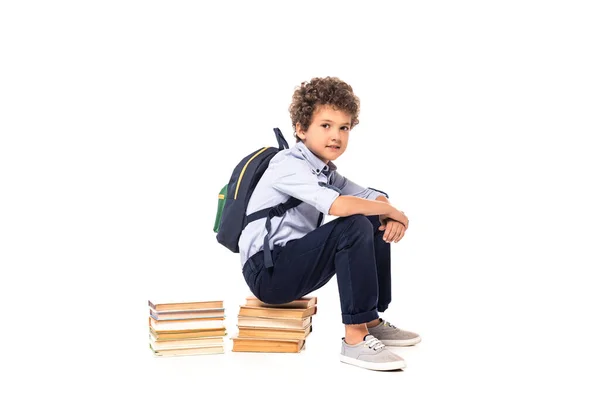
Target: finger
394, 232
401, 234
397, 232
387, 235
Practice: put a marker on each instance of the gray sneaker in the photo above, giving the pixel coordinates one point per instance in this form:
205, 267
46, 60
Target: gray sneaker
371, 354
392, 336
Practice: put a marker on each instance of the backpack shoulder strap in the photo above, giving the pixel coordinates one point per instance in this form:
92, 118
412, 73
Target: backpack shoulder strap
275, 211
283, 144
268, 213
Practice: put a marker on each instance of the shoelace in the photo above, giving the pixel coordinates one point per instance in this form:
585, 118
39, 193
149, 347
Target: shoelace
390, 325
375, 343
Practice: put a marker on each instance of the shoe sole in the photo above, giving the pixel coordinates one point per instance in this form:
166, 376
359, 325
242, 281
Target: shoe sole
387, 366
402, 343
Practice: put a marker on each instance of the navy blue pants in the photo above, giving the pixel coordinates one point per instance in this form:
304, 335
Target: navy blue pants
352, 248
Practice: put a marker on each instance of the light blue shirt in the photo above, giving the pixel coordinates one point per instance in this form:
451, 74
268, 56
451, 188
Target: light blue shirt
298, 173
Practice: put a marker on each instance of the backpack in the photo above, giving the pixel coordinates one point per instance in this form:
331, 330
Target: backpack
231, 216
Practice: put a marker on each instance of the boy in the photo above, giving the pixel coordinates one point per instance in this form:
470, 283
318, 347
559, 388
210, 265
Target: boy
305, 254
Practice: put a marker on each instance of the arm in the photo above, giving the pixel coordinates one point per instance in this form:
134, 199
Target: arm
393, 221
295, 180
344, 206
349, 188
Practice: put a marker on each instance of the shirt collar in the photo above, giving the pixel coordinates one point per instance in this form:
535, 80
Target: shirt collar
317, 166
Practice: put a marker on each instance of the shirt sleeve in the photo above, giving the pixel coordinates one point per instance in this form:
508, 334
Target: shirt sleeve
349, 188
303, 185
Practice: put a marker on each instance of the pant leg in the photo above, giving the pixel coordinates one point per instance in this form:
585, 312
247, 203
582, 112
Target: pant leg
345, 247
384, 264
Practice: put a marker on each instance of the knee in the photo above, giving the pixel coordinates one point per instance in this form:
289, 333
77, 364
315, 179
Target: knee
359, 223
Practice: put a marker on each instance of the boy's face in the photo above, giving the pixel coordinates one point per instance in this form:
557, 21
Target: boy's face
327, 134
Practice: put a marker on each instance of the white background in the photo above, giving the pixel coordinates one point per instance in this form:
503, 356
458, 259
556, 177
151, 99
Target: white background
121, 121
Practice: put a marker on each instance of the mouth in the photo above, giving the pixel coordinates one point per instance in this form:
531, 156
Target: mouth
334, 147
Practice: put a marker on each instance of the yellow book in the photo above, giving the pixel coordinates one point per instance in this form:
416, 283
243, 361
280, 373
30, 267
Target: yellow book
186, 324
182, 306
304, 302
247, 311
244, 332
187, 334
277, 323
267, 345
185, 343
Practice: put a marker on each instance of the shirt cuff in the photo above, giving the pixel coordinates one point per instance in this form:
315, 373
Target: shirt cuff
374, 194
325, 198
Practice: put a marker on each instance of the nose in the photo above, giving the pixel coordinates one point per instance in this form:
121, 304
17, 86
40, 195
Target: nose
335, 135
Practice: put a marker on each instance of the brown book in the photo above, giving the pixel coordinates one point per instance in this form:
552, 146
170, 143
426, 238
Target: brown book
189, 352
274, 333
277, 323
173, 315
195, 305
272, 312
267, 345
187, 334
304, 302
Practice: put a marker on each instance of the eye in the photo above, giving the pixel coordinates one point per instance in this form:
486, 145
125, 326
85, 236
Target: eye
346, 128
325, 125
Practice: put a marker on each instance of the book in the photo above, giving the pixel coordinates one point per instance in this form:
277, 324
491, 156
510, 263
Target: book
185, 343
187, 334
186, 324
260, 345
189, 352
175, 315
269, 312
277, 323
304, 302
195, 305
268, 333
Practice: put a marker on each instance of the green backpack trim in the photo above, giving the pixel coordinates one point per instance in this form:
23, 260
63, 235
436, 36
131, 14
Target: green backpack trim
220, 206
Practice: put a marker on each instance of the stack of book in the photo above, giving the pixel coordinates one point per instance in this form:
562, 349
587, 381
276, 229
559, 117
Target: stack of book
281, 328
178, 329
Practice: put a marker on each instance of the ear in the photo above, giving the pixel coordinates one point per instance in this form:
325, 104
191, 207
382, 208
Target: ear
299, 132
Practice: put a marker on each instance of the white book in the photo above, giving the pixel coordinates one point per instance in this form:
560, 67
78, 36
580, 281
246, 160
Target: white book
179, 325
172, 315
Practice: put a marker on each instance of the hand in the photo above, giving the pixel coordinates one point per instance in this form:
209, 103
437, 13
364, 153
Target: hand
396, 215
394, 230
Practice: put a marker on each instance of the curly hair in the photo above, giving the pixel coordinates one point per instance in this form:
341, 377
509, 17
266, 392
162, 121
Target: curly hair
322, 91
